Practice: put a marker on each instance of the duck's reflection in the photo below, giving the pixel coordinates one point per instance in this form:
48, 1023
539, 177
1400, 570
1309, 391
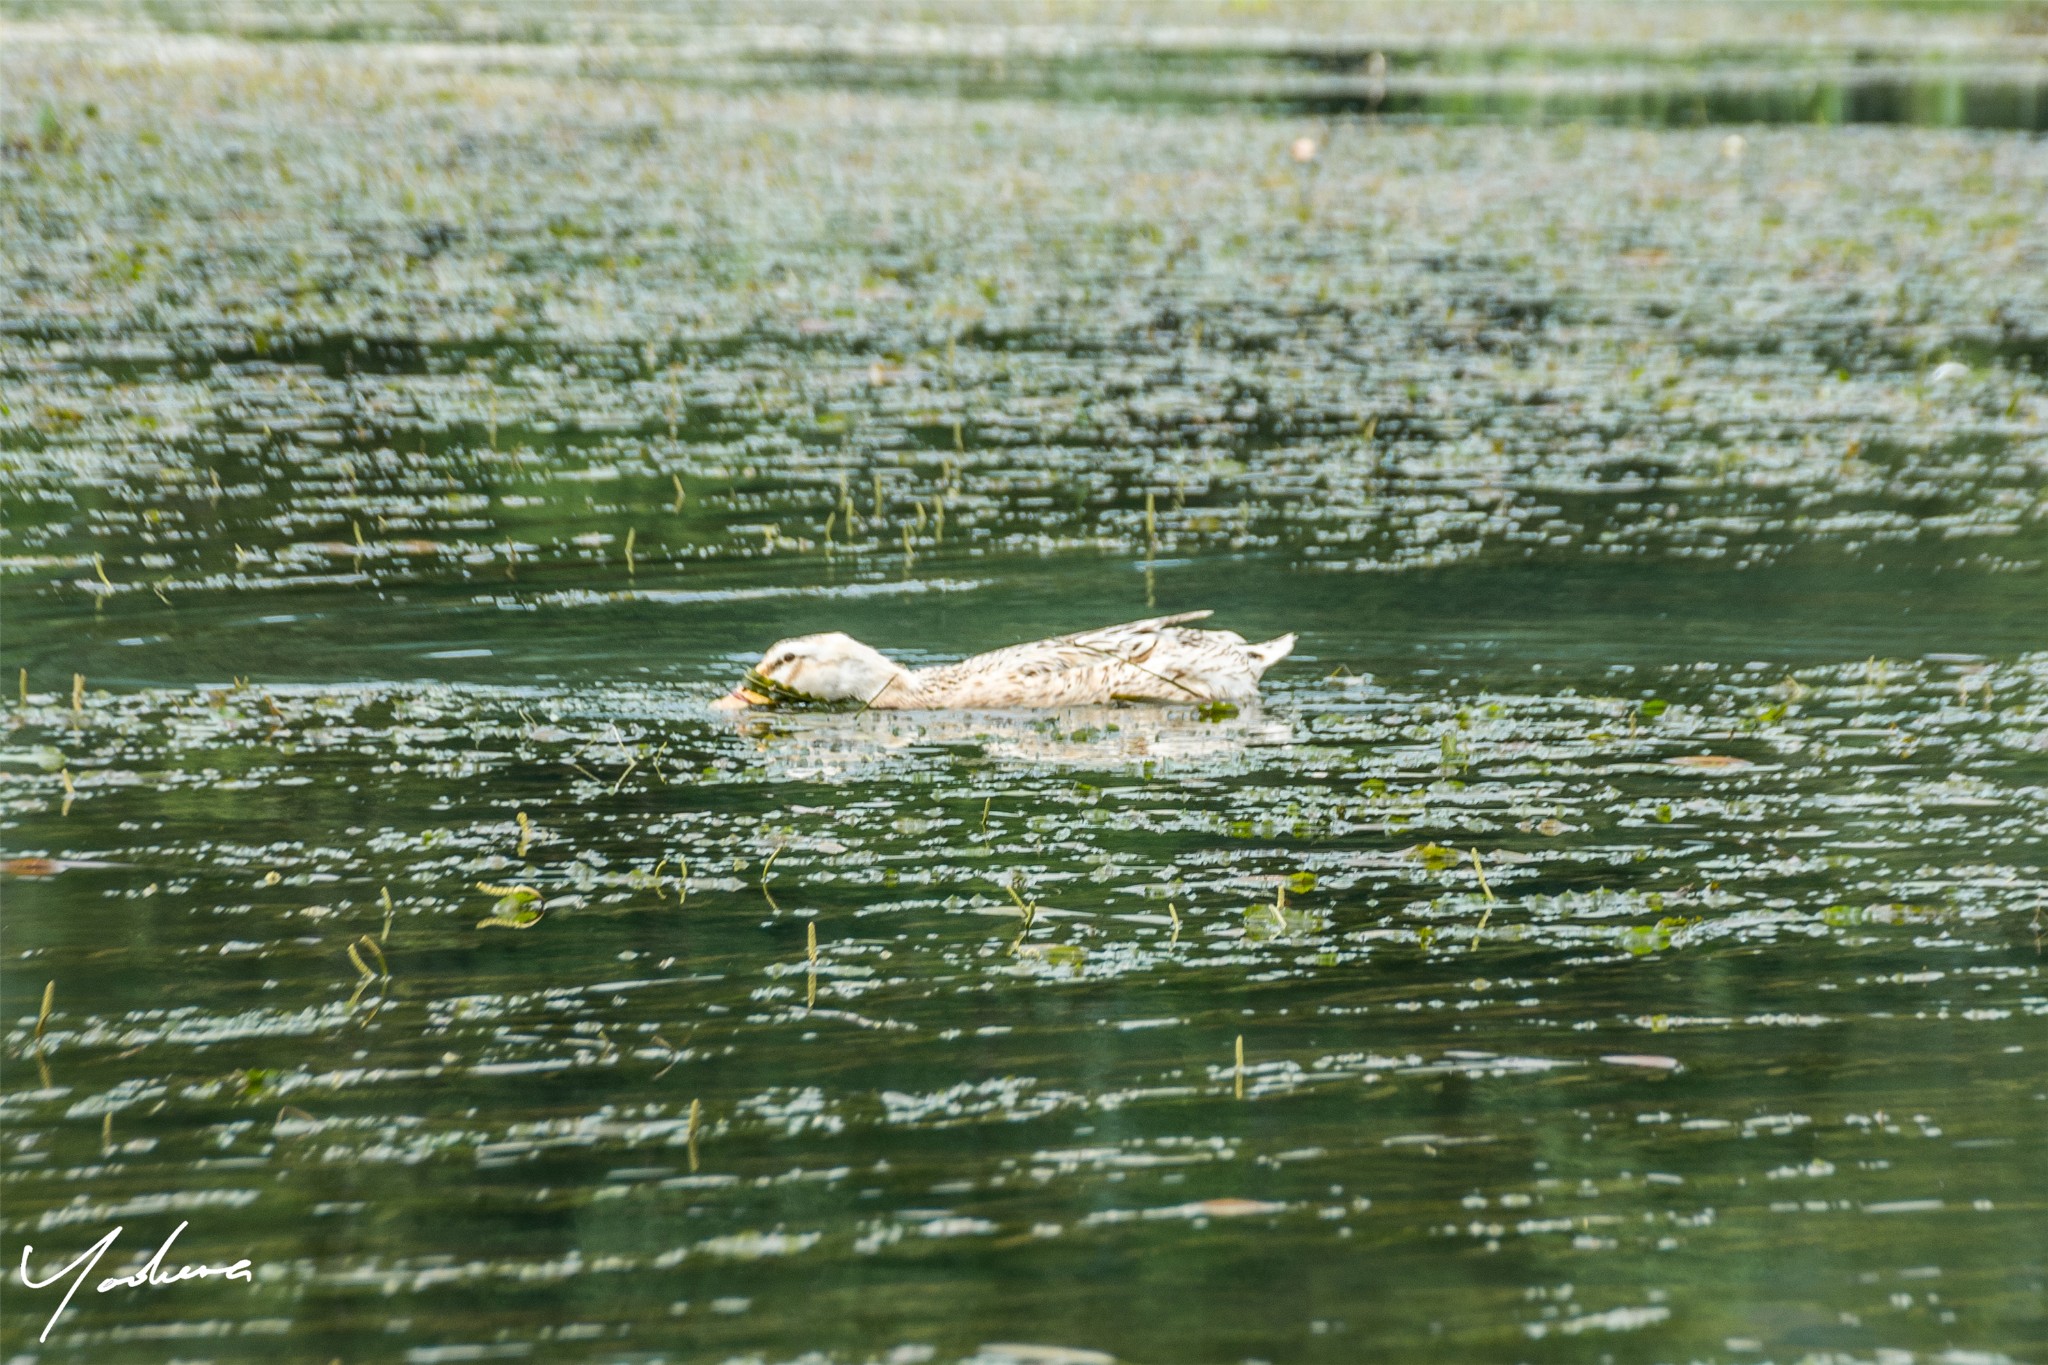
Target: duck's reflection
818, 744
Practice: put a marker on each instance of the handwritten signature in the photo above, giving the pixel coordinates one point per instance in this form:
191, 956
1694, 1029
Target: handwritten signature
152, 1274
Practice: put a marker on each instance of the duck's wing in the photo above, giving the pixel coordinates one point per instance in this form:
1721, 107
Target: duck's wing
1150, 660
1135, 639
1160, 661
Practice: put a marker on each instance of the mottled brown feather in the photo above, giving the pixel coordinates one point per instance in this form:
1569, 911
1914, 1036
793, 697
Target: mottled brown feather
1153, 660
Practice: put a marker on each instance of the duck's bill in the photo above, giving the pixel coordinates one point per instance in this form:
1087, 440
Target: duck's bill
739, 699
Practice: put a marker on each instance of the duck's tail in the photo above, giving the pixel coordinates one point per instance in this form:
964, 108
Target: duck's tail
1270, 652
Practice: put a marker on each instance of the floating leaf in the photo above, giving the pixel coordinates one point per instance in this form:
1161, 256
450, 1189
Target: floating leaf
1218, 1208
1273, 921
518, 907
509, 914
1436, 857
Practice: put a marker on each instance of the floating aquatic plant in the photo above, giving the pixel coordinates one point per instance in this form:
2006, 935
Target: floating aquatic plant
517, 907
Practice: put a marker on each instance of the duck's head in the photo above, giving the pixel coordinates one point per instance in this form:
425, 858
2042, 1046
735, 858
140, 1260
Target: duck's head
820, 669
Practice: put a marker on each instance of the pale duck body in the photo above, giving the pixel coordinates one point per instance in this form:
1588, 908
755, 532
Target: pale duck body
1155, 660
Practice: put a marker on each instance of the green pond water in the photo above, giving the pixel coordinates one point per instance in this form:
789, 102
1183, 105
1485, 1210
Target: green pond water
1617, 936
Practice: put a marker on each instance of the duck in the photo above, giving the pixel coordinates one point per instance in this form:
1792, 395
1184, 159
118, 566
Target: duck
1157, 660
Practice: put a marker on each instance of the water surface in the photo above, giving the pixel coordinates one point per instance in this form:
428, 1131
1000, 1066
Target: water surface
1628, 902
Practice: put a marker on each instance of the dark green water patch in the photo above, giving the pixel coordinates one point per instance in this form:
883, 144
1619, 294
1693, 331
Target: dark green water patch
1628, 93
